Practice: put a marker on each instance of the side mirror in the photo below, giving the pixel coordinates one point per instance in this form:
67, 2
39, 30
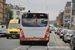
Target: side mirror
72, 36
49, 26
50, 32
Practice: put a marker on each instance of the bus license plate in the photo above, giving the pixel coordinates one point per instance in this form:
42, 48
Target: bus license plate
34, 39
13, 35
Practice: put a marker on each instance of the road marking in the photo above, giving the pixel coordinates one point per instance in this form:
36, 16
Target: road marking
62, 47
18, 48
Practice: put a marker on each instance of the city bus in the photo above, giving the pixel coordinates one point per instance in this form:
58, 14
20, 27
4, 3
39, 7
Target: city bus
34, 28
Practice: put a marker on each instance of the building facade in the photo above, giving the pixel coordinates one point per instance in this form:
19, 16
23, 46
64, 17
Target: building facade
3, 13
16, 10
67, 14
17, 13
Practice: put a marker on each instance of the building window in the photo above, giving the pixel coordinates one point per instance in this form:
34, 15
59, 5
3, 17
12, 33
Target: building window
17, 12
0, 5
73, 12
73, 1
67, 17
0, 19
67, 11
0, 0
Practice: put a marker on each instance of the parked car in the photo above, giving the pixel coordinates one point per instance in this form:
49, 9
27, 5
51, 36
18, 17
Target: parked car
62, 32
3, 30
59, 30
52, 27
56, 30
67, 36
65, 31
72, 42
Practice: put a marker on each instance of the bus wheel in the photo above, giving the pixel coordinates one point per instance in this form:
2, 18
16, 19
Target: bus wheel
45, 44
7, 37
21, 42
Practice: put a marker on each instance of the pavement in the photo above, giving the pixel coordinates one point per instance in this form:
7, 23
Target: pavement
55, 43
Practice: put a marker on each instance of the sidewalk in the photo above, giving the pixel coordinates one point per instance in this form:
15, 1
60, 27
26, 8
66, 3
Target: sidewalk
60, 43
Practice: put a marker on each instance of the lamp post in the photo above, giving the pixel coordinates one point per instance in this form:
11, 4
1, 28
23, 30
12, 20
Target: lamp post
71, 15
14, 9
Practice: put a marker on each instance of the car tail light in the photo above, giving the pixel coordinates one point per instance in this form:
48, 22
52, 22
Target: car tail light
60, 30
61, 33
46, 35
22, 33
67, 35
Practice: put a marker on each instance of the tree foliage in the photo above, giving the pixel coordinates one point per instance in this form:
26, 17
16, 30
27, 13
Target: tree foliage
10, 12
55, 24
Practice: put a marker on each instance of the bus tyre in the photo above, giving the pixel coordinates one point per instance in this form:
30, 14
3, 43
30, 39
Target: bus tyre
7, 37
21, 42
45, 44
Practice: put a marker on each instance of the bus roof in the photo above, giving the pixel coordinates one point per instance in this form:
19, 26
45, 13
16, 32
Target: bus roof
14, 21
35, 13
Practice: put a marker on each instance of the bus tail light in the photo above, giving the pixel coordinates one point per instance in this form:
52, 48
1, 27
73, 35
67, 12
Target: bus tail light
46, 35
22, 33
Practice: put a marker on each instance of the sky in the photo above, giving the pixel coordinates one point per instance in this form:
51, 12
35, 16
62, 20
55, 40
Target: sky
53, 7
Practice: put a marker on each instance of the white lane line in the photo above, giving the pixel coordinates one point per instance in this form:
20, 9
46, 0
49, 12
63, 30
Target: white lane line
63, 47
54, 39
18, 48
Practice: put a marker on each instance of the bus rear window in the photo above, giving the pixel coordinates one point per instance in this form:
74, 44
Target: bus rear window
34, 20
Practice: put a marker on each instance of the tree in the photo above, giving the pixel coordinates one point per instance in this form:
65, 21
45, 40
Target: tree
55, 24
10, 12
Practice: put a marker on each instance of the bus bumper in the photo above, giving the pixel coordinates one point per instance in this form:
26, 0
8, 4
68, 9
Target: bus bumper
34, 42
34, 39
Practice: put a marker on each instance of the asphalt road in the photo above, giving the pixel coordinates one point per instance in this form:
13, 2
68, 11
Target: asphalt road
55, 43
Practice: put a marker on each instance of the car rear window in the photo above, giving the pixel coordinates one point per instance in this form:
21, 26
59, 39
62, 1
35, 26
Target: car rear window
70, 32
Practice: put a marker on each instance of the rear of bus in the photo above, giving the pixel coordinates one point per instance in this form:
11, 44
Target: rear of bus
34, 27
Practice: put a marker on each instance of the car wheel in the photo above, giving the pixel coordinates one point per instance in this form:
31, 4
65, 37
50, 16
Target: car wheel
18, 37
55, 32
72, 47
63, 38
60, 37
11, 37
7, 37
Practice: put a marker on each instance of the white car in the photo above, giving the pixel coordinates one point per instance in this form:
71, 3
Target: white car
67, 36
3, 30
62, 32
56, 30
52, 27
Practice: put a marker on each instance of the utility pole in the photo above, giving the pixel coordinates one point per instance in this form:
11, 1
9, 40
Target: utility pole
63, 21
71, 15
14, 9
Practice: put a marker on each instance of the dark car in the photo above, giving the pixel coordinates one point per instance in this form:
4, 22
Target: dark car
72, 42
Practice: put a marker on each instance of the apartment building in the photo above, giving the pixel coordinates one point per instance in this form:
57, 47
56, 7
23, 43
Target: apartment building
67, 14
17, 10
3, 13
